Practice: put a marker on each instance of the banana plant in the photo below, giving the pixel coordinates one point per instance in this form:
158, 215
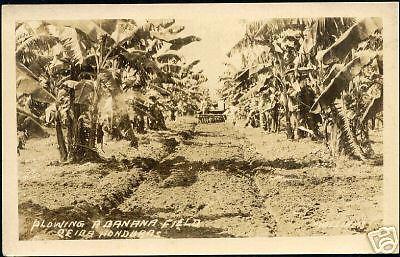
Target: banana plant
91, 58
330, 53
28, 83
352, 56
280, 40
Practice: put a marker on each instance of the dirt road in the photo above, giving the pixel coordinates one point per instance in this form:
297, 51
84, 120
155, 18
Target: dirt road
215, 179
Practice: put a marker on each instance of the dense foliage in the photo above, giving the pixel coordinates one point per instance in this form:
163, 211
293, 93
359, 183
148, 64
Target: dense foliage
112, 75
323, 75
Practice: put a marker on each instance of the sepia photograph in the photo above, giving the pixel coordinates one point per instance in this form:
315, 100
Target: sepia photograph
173, 127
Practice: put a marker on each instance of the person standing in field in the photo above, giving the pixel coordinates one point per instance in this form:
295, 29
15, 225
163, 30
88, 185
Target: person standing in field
231, 114
204, 107
262, 109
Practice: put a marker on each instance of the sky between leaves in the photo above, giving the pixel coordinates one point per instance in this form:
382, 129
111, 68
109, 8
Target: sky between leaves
217, 38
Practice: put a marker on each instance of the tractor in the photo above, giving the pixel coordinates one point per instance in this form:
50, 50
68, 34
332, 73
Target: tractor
213, 114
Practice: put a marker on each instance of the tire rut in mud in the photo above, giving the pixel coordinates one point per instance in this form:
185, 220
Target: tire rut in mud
210, 178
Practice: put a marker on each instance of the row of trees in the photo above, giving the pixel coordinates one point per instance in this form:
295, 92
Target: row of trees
326, 73
99, 72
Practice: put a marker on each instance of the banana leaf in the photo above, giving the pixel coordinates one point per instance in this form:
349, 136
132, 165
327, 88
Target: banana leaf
28, 83
38, 130
178, 43
192, 64
74, 44
163, 23
162, 91
108, 25
133, 55
171, 68
83, 92
162, 78
140, 60
90, 28
242, 75
350, 39
301, 70
380, 63
163, 36
341, 81
310, 39
29, 114
373, 108
175, 29
41, 42
237, 96
336, 68
252, 91
121, 34
166, 57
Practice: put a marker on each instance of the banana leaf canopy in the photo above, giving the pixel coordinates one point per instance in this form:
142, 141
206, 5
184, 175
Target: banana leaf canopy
28, 83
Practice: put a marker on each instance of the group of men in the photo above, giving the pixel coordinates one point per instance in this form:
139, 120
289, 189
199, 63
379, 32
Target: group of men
262, 111
266, 110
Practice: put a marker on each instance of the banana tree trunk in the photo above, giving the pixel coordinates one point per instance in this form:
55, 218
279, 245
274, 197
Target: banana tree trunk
173, 115
93, 128
70, 137
73, 129
333, 141
373, 123
70, 131
60, 138
289, 130
347, 142
140, 126
280, 76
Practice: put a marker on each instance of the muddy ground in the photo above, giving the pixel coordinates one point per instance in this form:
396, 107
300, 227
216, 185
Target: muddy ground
200, 180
